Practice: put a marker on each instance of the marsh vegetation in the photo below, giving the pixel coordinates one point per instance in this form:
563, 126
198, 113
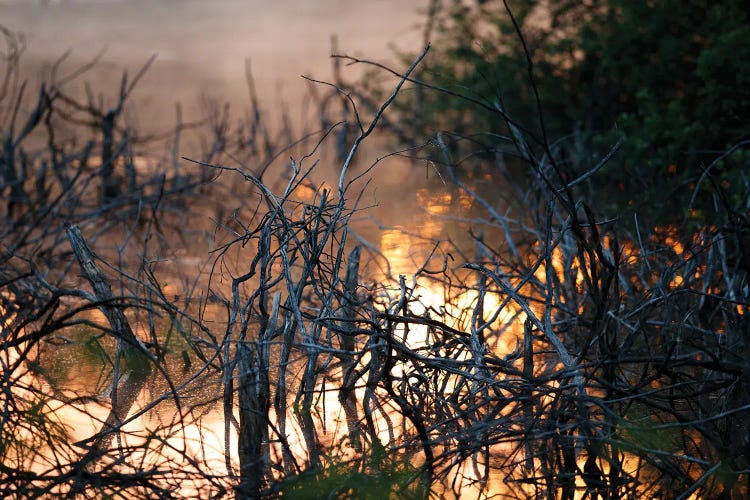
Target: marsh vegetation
227, 322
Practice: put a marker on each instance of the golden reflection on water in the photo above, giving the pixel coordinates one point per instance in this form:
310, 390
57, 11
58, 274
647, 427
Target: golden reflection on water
406, 251
405, 248
202, 434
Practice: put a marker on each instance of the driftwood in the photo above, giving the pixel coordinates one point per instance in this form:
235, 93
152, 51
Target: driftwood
127, 383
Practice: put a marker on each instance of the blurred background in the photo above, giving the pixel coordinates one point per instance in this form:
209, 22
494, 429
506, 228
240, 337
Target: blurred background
201, 46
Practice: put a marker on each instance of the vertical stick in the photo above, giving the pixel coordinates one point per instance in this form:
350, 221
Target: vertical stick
528, 403
110, 187
253, 412
347, 396
254, 394
280, 403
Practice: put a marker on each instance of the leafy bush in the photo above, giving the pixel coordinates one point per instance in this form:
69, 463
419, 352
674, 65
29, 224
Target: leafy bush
669, 78
375, 477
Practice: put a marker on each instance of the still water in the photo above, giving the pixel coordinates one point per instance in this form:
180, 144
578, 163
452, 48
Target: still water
75, 366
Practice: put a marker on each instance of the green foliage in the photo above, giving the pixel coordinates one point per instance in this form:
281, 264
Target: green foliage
639, 430
374, 477
93, 352
671, 78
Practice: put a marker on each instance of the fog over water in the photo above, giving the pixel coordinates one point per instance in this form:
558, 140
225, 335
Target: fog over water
202, 45
201, 49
